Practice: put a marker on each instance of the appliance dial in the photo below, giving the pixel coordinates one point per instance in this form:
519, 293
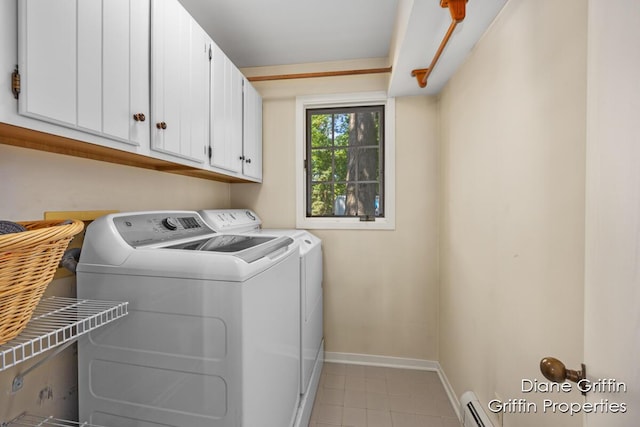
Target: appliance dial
170, 223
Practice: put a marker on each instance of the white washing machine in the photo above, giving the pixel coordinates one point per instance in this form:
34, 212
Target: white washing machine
311, 302
212, 334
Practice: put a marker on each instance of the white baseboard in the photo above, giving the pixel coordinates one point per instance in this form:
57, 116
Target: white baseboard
450, 393
397, 362
388, 361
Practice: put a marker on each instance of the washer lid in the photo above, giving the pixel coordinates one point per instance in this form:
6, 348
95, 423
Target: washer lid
246, 247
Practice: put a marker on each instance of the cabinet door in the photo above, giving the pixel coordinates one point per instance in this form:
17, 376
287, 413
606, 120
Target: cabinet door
84, 65
252, 135
113, 68
226, 113
125, 70
179, 82
47, 63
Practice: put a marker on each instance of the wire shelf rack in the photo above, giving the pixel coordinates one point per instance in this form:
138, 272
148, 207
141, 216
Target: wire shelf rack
35, 421
55, 321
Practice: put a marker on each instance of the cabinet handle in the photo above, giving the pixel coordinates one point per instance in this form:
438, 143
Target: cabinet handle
248, 160
161, 125
139, 117
241, 157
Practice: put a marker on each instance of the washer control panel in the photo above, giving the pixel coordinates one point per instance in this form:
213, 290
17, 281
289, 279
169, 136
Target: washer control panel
158, 227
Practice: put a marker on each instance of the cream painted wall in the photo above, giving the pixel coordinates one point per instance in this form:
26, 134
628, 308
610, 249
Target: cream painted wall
612, 282
35, 181
513, 180
380, 287
32, 182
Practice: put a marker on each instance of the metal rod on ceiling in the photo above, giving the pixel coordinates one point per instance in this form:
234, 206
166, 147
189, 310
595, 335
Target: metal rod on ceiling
457, 8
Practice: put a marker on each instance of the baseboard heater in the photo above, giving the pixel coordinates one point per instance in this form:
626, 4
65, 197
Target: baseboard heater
473, 414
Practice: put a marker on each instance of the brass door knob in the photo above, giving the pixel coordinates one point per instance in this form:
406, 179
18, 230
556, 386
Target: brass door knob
139, 117
554, 370
161, 125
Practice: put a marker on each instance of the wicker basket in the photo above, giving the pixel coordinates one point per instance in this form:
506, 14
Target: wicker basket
28, 261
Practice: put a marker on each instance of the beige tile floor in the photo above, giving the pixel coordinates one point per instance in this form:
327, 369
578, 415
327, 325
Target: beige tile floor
371, 396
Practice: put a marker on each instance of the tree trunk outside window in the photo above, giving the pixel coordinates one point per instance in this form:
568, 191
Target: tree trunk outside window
361, 164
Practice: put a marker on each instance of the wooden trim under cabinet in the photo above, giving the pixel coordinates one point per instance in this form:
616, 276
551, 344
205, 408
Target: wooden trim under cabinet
28, 138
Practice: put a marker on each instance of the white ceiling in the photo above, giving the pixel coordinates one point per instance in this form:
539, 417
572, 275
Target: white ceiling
276, 32
257, 33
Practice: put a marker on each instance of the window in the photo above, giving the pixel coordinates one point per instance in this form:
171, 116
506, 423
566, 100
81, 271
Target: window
344, 162
346, 175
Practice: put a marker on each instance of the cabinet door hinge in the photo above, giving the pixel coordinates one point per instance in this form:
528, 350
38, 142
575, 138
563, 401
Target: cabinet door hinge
210, 54
15, 83
210, 153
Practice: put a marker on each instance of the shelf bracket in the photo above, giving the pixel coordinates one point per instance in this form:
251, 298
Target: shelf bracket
18, 380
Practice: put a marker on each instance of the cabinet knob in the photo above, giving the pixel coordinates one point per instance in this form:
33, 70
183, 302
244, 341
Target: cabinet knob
241, 157
161, 125
248, 160
139, 117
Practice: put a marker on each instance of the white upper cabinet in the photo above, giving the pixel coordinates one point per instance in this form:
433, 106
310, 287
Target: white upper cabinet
179, 82
252, 135
236, 120
226, 113
84, 64
140, 76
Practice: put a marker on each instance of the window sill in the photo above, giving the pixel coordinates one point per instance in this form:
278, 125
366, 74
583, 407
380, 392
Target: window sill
345, 224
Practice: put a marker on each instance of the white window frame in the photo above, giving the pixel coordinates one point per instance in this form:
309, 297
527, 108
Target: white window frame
346, 100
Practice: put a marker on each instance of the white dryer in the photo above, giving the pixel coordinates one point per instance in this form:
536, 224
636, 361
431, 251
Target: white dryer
311, 299
212, 335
